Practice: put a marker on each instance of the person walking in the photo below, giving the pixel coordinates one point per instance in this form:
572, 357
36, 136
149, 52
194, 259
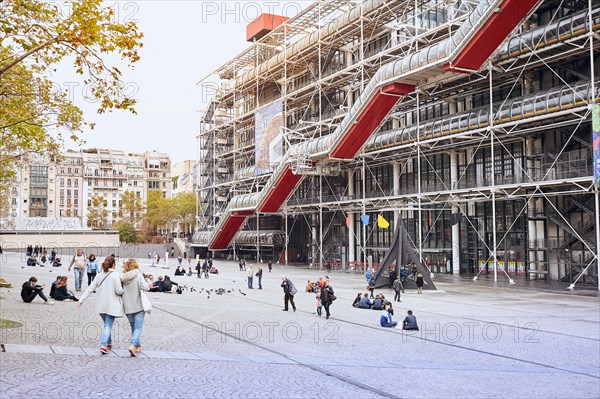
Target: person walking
31, 289
270, 266
92, 268
398, 287
250, 274
420, 283
78, 263
327, 297
109, 303
259, 275
371, 286
289, 291
133, 282
392, 274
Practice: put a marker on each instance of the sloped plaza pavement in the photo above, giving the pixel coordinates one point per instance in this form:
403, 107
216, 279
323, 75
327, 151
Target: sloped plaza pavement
475, 341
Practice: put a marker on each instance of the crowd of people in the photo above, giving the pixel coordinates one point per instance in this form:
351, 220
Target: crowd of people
38, 256
121, 293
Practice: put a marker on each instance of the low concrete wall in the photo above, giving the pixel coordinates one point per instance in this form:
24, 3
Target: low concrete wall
18, 241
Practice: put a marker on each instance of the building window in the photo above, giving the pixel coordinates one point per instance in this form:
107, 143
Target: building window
62, 182
75, 213
68, 193
62, 192
76, 193
62, 202
76, 183
114, 203
68, 182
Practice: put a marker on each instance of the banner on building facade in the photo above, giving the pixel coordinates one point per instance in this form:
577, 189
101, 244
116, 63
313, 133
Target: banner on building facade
596, 143
268, 138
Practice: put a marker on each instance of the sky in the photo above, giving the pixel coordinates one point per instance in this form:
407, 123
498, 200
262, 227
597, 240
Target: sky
184, 41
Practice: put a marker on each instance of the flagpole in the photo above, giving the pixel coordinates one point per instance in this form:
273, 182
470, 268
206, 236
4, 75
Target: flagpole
364, 212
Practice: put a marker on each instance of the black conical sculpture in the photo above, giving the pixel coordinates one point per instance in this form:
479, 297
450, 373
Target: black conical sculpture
402, 252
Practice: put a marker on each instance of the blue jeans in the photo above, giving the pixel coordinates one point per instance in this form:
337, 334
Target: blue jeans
136, 321
250, 282
108, 323
78, 278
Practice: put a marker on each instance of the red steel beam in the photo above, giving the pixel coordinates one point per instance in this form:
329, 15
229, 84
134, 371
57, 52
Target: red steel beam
490, 35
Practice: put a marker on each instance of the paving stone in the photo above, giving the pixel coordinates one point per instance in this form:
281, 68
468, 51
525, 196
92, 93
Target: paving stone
184, 355
158, 355
68, 350
43, 349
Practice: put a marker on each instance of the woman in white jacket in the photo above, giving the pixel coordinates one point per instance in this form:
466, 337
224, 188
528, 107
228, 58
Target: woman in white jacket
133, 281
109, 303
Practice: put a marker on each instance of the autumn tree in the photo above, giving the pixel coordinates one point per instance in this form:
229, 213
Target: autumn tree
97, 217
185, 210
131, 207
35, 36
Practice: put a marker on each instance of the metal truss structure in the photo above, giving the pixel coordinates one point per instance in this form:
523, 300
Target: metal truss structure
487, 161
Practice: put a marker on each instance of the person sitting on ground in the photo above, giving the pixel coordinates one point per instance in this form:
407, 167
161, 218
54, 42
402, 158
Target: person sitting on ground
356, 302
410, 322
386, 318
377, 303
44, 259
31, 261
310, 286
56, 262
158, 286
61, 293
53, 286
189, 271
365, 302
168, 284
179, 272
214, 270
150, 280
30, 290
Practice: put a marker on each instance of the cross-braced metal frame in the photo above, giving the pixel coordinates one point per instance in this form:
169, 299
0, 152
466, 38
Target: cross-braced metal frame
491, 170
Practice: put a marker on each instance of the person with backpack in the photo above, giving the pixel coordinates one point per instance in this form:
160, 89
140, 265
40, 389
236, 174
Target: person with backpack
289, 290
78, 263
327, 297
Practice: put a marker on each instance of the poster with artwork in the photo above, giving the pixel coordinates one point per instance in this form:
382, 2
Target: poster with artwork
596, 143
268, 138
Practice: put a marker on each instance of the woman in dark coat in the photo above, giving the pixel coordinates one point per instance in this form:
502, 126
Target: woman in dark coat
419, 283
327, 297
61, 293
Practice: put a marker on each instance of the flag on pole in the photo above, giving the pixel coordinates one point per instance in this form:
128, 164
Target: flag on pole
381, 222
348, 221
365, 219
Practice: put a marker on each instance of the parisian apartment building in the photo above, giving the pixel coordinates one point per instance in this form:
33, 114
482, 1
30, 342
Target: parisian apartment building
66, 187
